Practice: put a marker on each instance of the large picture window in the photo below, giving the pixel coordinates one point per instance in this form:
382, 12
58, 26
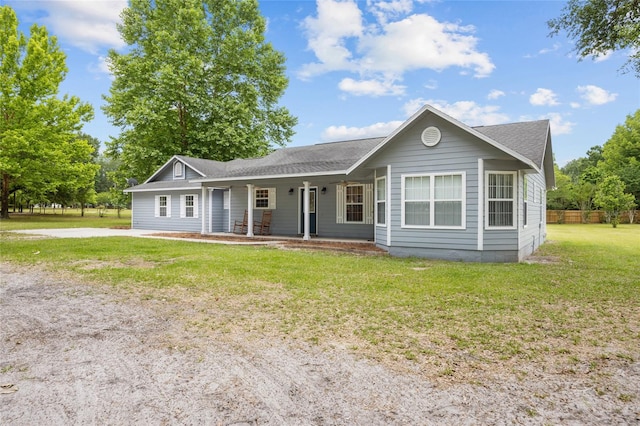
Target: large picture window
501, 200
433, 201
381, 201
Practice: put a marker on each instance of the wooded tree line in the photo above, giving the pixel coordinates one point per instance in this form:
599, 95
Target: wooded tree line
608, 177
199, 79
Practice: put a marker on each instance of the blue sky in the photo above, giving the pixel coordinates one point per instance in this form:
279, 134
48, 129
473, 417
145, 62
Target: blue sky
360, 68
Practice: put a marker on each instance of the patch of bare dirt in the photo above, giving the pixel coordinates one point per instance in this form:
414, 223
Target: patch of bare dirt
78, 353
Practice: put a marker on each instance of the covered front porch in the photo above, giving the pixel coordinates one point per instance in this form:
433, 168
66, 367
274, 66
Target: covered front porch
319, 208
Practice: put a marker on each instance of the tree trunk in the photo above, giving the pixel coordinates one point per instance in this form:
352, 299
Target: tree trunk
4, 212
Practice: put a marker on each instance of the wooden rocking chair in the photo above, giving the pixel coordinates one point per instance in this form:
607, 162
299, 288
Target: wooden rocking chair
241, 227
263, 227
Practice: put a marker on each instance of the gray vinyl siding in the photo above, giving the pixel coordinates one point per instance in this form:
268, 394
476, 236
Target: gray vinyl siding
534, 233
457, 152
166, 175
503, 240
381, 230
143, 217
219, 216
286, 216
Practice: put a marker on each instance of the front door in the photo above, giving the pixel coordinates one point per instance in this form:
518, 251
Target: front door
312, 211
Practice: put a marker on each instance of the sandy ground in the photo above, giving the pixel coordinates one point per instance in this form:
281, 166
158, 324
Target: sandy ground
79, 354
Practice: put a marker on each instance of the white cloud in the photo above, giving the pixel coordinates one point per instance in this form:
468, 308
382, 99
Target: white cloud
603, 57
595, 95
471, 113
431, 84
543, 97
370, 87
385, 10
422, 42
575, 105
327, 34
101, 67
335, 133
87, 24
342, 40
554, 48
559, 126
495, 94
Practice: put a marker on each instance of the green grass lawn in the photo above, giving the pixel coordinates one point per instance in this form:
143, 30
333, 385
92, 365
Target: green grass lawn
70, 218
578, 311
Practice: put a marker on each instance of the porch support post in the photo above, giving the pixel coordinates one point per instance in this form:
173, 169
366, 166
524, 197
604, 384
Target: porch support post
307, 216
203, 203
480, 236
249, 210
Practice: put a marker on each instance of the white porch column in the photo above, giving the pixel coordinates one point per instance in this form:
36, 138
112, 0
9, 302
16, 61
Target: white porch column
210, 216
480, 236
203, 203
307, 216
249, 210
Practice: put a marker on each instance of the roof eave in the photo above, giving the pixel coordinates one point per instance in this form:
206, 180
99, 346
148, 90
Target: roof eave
283, 176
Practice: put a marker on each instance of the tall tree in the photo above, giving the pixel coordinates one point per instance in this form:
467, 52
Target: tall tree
613, 199
601, 26
621, 154
198, 80
39, 147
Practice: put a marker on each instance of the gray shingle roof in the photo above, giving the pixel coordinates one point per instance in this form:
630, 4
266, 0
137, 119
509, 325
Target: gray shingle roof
528, 138
321, 158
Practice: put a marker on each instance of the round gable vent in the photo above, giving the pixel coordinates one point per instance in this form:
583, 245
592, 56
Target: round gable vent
431, 136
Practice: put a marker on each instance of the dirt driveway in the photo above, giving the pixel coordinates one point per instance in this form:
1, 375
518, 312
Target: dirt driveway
83, 354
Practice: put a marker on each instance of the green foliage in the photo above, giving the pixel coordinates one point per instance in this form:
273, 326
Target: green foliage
561, 196
601, 26
621, 154
198, 80
72, 218
576, 169
40, 152
612, 198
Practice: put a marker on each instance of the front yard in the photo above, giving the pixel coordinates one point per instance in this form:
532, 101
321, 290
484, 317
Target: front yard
574, 309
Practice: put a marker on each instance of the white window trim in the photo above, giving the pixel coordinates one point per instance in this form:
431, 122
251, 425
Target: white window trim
514, 200
157, 206
179, 170
341, 204
271, 204
364, 214
432, 200
183, 206
381, 182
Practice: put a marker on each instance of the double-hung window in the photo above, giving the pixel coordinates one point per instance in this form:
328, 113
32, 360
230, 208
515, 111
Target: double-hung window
501, 200
433, 201
264, 198
381, 200
189, 206
354, 202
162, 206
